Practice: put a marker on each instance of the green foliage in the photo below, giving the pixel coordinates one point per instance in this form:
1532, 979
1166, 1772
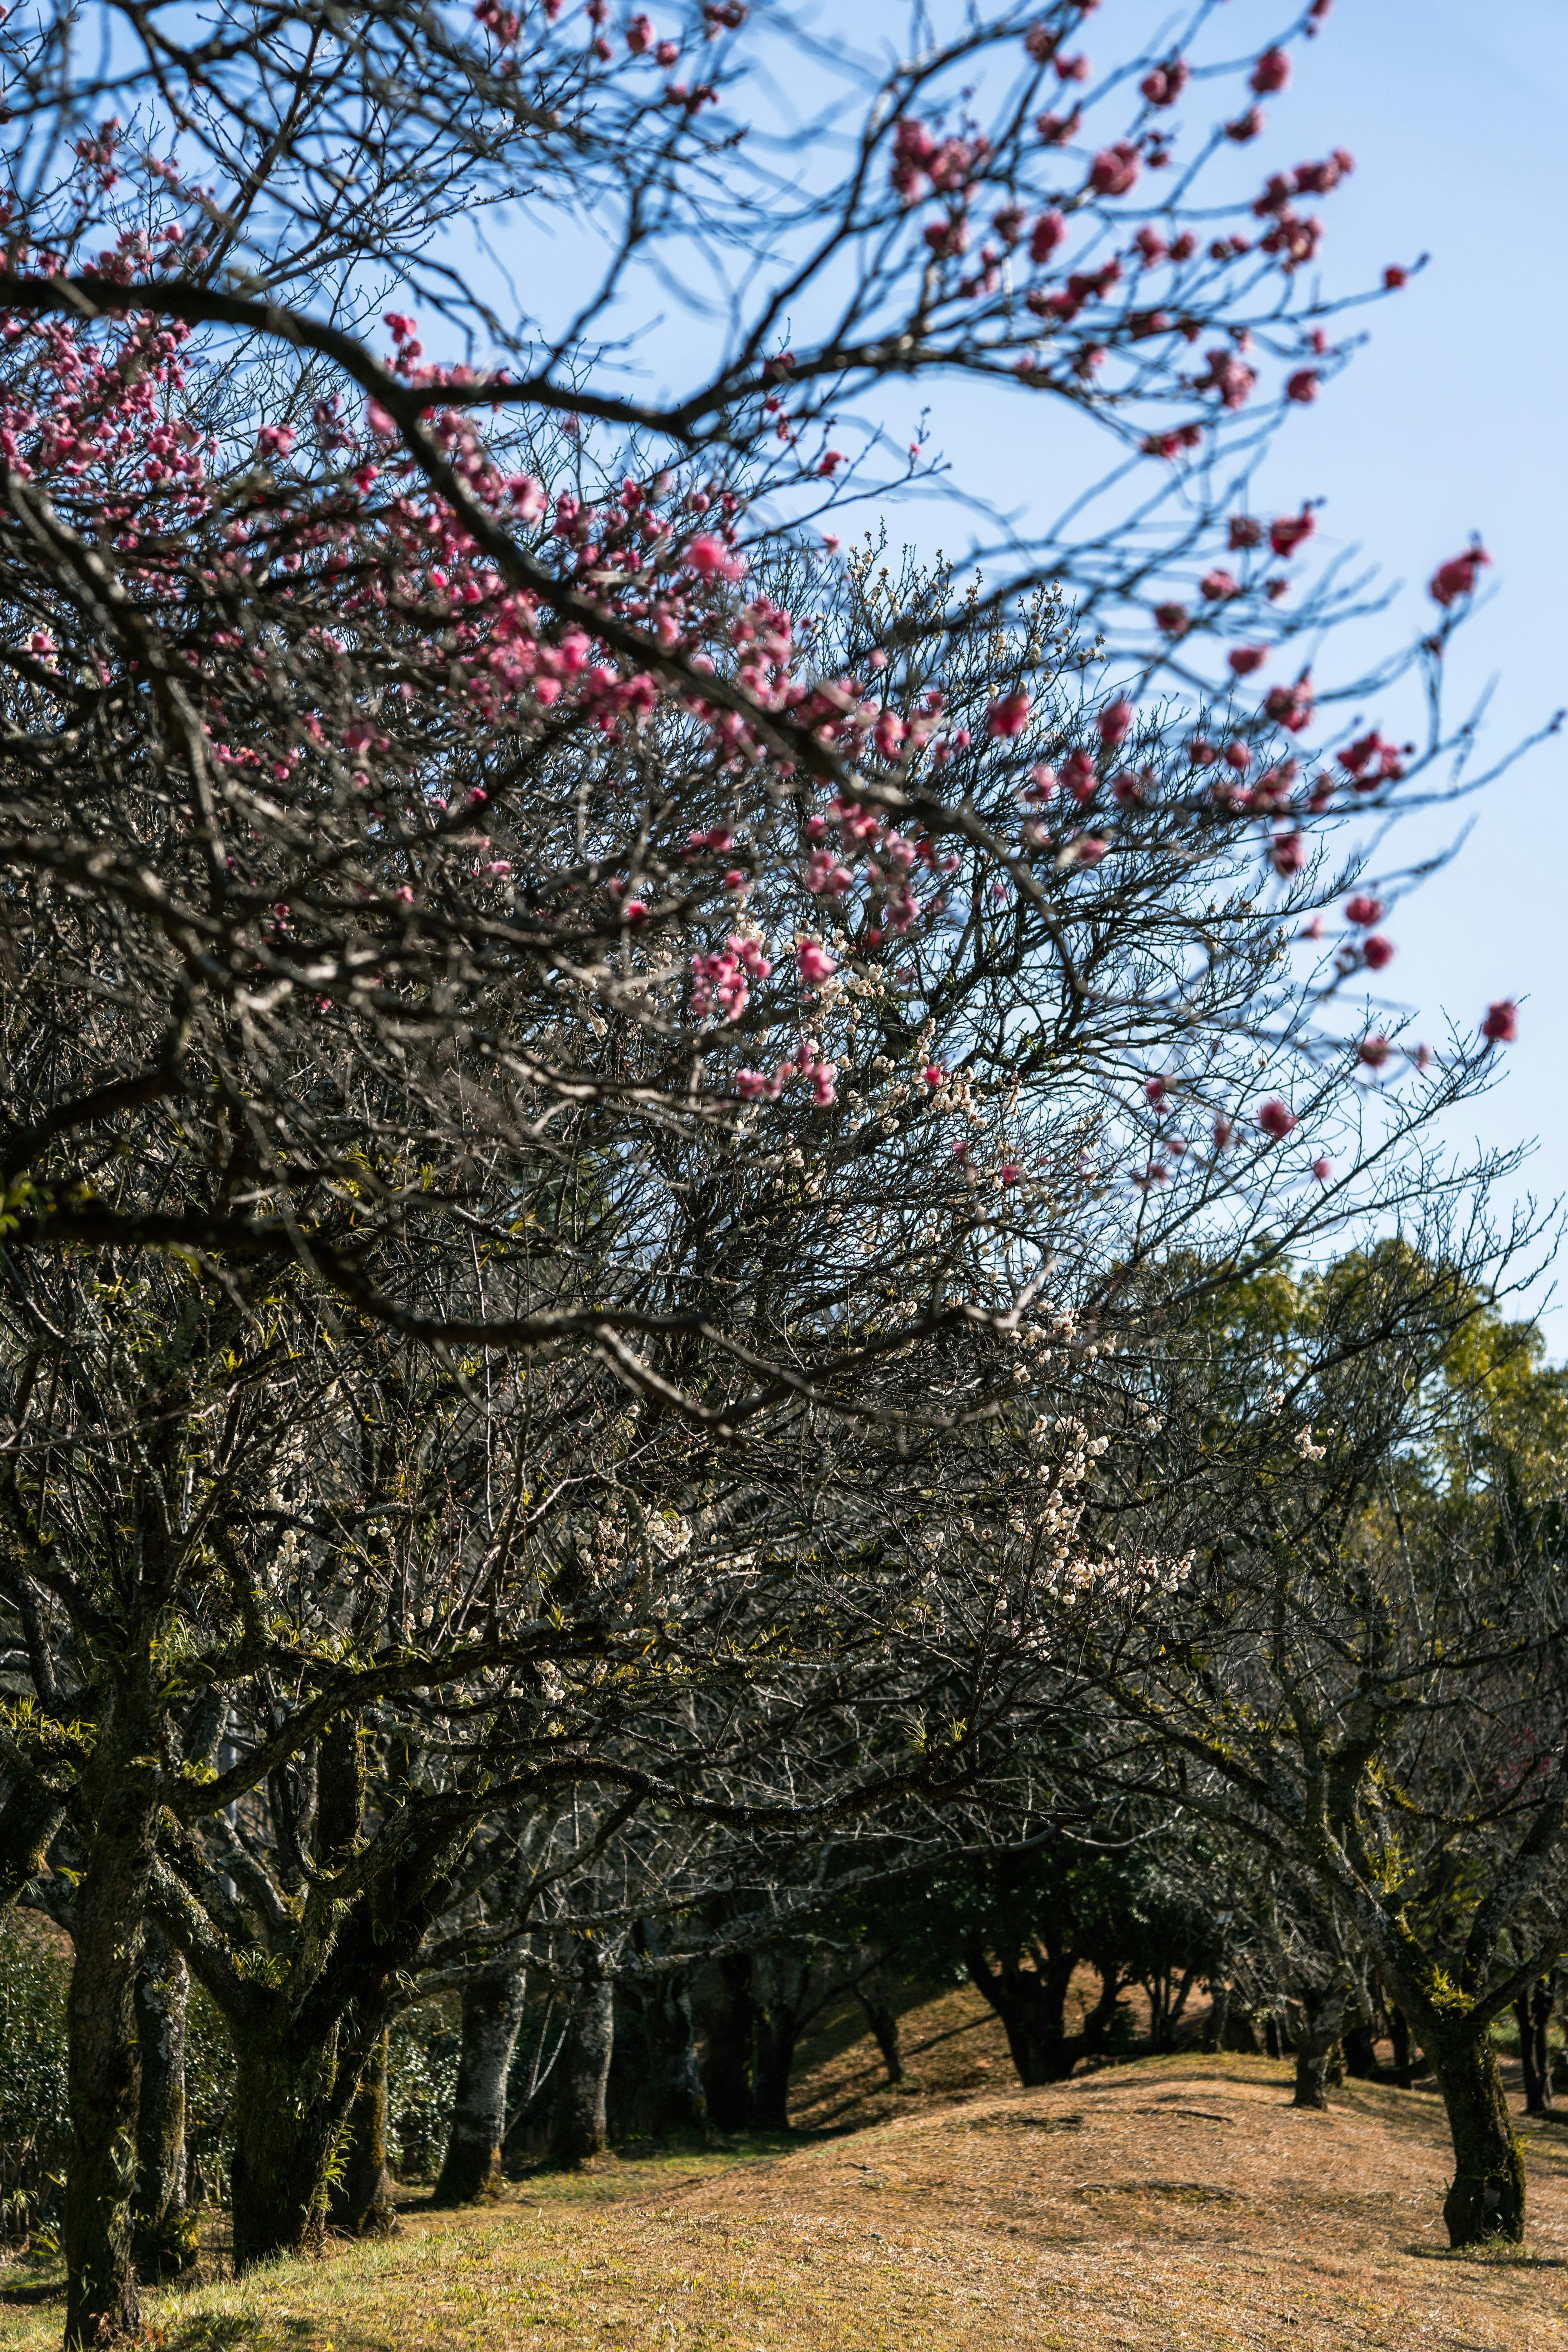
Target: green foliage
35, 1976
423, 2050
209, 2101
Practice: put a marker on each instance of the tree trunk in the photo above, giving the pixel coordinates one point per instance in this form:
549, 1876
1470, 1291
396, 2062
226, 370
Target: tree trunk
1361, 2050
671, 2097
1534, 2013
1032, 2006
1487, 2200
287, 2120
874, 1994
1534, 2103
1271, 2041
104, 2071
780, 1979
728, 2017
1399, 2035
163, 2229
360, 2201
1315, 2052
1100, 2021
578, 2127
492, 2011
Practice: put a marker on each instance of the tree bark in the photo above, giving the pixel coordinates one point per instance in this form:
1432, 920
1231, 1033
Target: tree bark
492, 2011
578, 2125
104, 2071
1032, 2006
874, 1994
287, 2121
360, 2201
1487, 2200
780, 1980
164, 2227
1315, 2052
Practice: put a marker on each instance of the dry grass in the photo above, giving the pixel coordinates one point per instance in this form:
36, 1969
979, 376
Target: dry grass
1173, 2203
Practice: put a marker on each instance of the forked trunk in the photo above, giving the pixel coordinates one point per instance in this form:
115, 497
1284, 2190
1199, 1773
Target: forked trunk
1487, 2200
360, 2199
492, 2008
1032, 2006
164, 2225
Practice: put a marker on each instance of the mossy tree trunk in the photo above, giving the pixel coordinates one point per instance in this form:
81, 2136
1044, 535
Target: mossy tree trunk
492, 2010
360, 2201
288, 2113
120, 1794
164, 2233
1487, 2198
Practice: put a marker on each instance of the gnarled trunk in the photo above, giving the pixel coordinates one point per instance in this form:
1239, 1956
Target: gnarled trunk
1487, 2200
492, 2010
579, 2129
1032, 2006
164, 2227
360, 2200
104, 2071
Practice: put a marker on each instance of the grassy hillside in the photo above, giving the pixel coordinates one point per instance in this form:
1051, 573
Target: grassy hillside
1172, 2203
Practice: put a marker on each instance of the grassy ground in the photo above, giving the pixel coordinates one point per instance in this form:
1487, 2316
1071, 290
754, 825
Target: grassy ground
1173, 2203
